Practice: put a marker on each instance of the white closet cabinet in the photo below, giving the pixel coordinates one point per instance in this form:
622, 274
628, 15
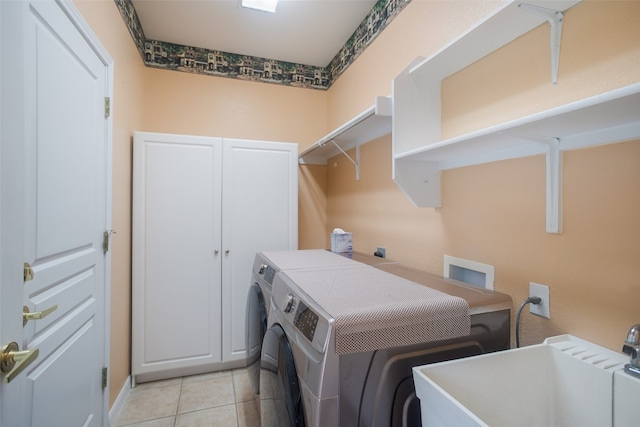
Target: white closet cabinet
202, 208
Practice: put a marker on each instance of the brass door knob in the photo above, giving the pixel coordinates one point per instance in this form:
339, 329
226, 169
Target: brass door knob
12, 361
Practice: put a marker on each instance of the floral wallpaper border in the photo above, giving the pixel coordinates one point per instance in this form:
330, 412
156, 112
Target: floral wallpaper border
169, 56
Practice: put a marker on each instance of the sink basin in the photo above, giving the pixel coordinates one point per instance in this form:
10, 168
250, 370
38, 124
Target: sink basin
564, 381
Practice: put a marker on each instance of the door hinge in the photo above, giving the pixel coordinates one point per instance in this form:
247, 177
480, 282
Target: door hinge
104, 377
105, 240
107, 106
28, 272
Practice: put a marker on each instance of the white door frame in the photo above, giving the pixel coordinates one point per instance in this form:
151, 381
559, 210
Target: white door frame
76, 18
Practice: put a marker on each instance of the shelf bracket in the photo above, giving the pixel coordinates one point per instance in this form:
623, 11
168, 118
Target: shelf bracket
356, 162
553, 157
555, 21
554, 186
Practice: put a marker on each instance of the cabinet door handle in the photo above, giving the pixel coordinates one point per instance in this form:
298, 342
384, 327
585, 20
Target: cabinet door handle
226, 251
215, 252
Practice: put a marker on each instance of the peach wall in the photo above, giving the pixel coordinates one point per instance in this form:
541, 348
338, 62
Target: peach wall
127, 109
312, 203
378, 213
495, 213
193, 104
422, 28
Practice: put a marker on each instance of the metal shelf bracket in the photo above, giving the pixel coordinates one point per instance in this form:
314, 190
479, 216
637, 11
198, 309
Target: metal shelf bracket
356, 162
555, 21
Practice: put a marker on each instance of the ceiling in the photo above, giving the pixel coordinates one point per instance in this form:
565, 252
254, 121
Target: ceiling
308, 32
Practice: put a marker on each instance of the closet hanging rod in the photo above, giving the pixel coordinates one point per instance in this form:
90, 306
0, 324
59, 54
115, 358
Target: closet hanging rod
366, 126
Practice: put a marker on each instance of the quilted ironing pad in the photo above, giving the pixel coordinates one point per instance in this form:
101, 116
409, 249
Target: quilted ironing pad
309, 258
374, 309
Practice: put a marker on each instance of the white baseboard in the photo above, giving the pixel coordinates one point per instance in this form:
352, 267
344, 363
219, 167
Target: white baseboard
118, 405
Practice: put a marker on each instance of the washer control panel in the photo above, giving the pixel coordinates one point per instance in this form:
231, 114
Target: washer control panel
263, 267
300, 315
269, 273
288, 304
262, 271
306, 321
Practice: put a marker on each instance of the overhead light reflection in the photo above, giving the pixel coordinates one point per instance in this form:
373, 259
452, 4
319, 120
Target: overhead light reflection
264, 5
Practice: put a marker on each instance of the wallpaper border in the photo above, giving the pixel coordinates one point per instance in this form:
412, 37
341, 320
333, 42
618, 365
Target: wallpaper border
190, 59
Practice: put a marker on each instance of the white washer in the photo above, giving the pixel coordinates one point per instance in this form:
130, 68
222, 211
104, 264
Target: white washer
316, 374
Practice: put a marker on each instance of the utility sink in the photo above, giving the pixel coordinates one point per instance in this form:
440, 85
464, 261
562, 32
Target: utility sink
564, 381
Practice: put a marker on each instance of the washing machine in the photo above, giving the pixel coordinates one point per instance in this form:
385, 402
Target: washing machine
341, 343
265, 266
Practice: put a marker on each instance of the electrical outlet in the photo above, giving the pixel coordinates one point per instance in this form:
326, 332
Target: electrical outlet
542, 291
381, 252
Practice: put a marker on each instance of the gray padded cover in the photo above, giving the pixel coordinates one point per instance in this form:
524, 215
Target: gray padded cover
374, 309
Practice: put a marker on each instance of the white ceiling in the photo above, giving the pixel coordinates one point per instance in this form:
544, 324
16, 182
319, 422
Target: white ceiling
309, 32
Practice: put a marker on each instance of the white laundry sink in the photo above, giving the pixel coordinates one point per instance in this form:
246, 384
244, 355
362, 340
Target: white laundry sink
565, 381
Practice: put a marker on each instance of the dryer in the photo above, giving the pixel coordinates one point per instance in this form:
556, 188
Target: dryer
265, 266
341, 343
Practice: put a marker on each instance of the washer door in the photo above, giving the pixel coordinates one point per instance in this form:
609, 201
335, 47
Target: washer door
280, 397
256, 327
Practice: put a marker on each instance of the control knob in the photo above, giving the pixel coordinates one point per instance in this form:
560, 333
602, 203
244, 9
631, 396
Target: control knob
263, 267
288, 305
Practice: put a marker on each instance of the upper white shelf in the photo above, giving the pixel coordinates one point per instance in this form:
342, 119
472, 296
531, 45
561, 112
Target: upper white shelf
366, 126
610, 117
503, 25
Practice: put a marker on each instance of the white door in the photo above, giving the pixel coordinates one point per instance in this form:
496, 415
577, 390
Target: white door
54, 211
259, 213
176, 323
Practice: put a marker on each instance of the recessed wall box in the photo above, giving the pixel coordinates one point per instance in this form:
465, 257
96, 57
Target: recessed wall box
471, 272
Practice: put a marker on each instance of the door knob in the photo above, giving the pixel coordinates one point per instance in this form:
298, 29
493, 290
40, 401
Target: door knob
27, 315
12, 361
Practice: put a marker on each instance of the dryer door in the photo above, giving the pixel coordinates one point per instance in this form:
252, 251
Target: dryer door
256, 327
280, 397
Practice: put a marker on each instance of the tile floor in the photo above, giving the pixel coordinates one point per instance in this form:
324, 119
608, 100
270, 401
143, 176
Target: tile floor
216, 399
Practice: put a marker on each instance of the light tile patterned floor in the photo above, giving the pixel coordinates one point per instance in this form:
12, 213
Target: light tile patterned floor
217, 399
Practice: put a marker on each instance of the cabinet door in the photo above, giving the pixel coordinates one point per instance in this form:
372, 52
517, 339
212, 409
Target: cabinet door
260, 213
176, 322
